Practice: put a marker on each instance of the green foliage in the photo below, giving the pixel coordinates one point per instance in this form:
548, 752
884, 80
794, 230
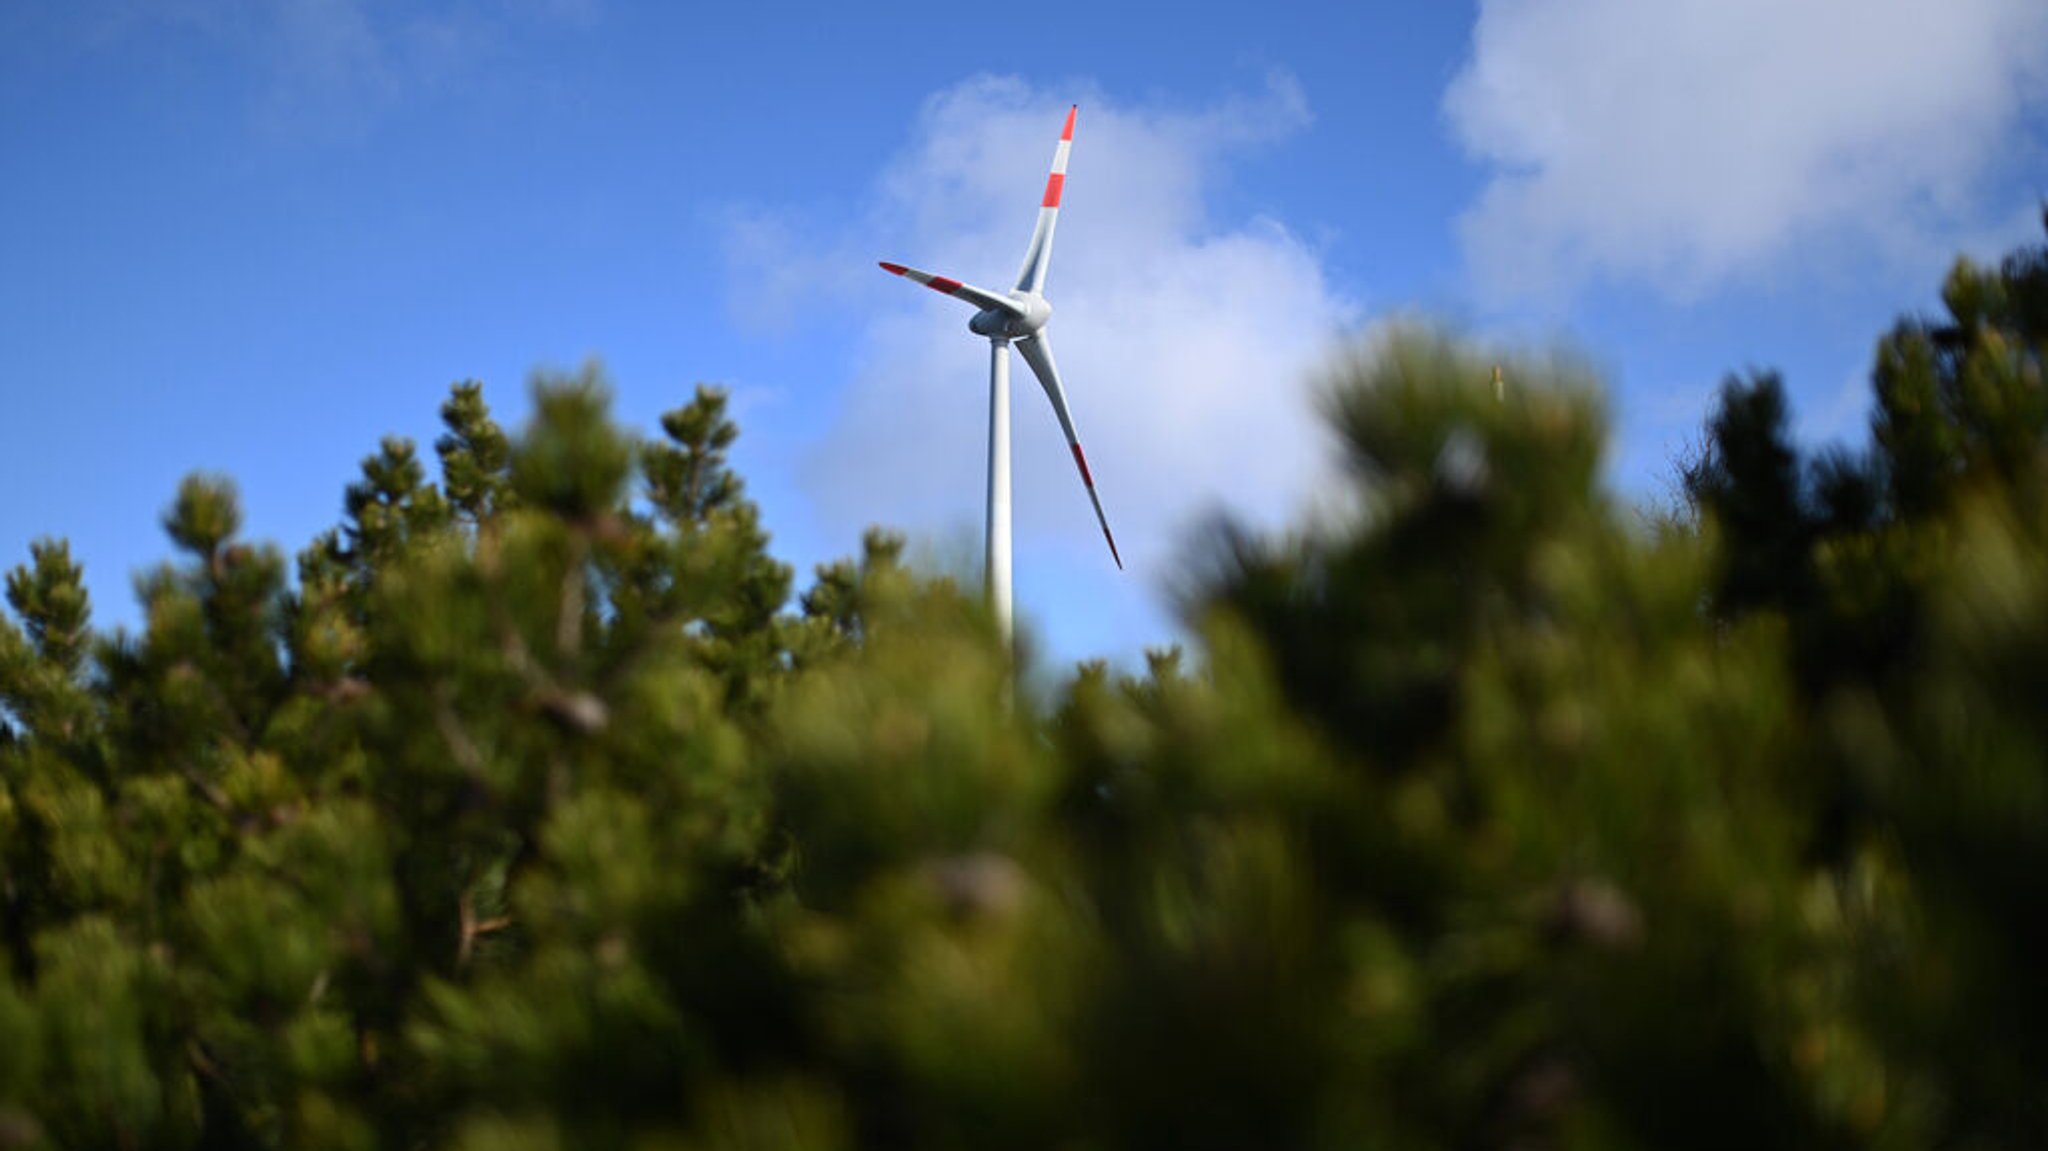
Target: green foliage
533, 813
1846, 544
474, 454
572, 462
51, 601
1909, 580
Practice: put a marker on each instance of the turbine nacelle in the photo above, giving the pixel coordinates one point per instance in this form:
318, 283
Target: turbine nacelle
1007, 323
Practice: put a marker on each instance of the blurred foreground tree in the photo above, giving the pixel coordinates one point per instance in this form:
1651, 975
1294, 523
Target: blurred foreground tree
1908, 577
533, 814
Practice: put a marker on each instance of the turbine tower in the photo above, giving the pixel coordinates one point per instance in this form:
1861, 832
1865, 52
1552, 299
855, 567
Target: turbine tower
1018, 317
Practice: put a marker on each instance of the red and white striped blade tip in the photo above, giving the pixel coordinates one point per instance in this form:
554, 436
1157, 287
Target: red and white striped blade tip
1088, 481
944, 284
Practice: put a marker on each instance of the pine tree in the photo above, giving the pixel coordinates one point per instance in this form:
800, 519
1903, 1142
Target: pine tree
533, 813
474, 455
717, 572
1919, 630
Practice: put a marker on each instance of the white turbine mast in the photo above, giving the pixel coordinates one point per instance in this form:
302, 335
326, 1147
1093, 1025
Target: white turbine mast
1019, 318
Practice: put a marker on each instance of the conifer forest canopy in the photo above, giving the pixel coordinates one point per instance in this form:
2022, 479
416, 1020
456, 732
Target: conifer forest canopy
535, 807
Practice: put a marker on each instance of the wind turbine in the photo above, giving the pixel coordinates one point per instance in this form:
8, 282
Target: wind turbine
1018, 317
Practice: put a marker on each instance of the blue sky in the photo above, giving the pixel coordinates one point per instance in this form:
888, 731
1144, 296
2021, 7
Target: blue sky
253, 236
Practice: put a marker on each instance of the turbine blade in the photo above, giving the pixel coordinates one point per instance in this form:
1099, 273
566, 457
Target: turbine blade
1038, 257
979, 297
1038, 353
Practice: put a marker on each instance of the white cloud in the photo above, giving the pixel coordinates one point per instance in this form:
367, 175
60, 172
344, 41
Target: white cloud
1187, 344
1686, 142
